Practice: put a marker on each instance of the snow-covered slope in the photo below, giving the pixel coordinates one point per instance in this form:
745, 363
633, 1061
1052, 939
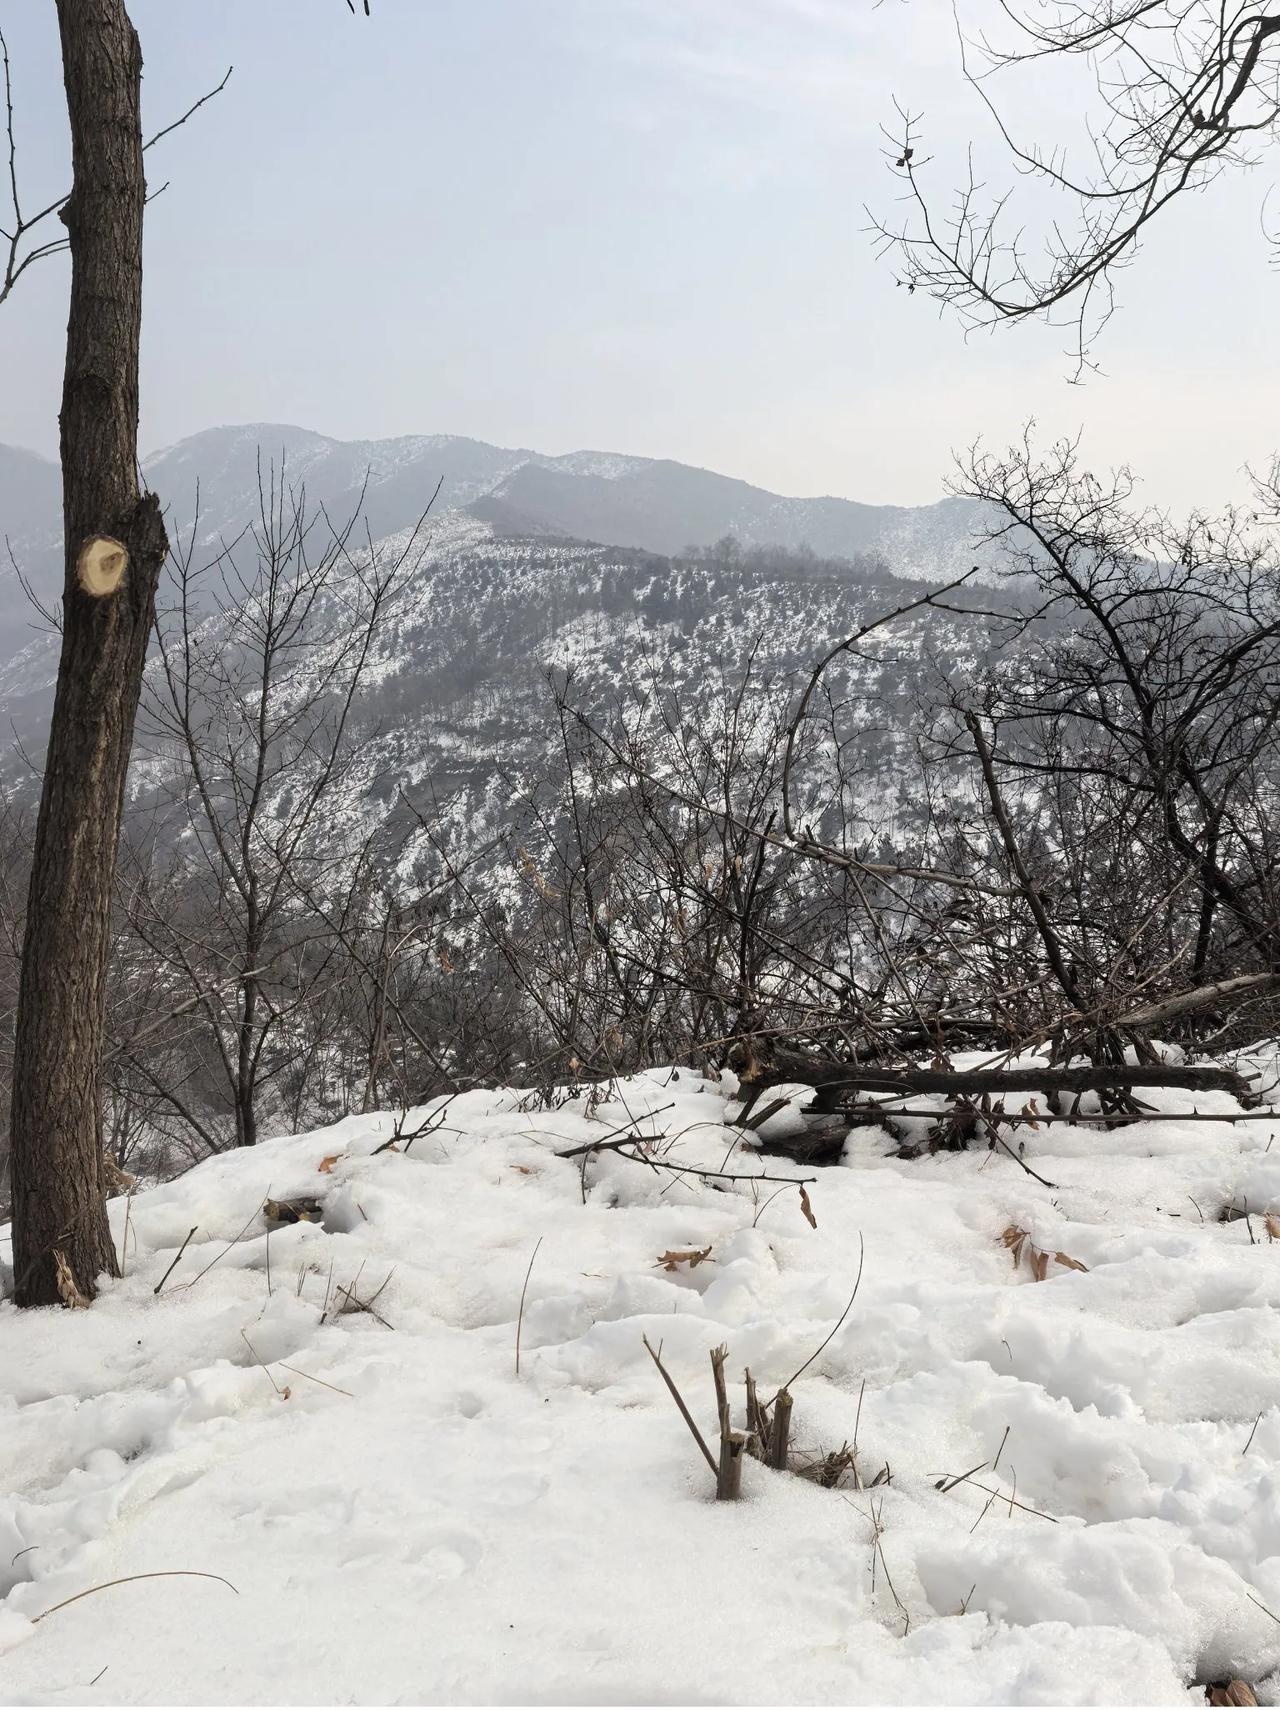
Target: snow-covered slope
390, 1512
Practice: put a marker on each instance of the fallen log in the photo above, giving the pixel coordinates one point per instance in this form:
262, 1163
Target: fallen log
1091, 1077
831, 1080
821, 1141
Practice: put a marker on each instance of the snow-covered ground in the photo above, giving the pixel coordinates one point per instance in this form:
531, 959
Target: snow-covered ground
401, 1517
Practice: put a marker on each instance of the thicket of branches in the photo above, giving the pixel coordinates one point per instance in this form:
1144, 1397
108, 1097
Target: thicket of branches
1069, 845
1174, 93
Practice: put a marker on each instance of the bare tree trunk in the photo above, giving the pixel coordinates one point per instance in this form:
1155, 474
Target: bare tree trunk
246, 1063
378, 1041
115, 546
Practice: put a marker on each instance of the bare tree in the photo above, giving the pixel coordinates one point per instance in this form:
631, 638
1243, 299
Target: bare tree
253, 711
1160, 694
115, 545
1187, 89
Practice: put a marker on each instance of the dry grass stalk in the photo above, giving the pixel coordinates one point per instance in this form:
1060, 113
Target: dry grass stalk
523, 1292
128, 1579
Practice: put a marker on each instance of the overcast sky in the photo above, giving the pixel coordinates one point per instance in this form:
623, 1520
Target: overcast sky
633, 225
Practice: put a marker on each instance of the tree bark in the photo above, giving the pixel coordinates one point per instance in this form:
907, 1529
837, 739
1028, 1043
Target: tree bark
115, 546
246, 1075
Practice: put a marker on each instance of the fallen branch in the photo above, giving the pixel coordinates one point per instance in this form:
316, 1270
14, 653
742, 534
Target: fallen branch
620, 1148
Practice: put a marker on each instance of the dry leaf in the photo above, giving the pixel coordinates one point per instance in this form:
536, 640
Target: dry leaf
691, 1256
326, 1164
1013, 1239
1234, 1692
1017, 1241
292, 1210
1273, 1225
69, 1294
810, 1219
114, 1176
525, 1169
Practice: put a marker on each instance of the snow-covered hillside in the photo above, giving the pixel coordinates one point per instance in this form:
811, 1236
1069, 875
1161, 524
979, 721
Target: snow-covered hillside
455, 701
1066, 1490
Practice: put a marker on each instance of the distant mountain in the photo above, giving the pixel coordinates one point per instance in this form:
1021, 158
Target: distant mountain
651, 503
601, 497
534, 561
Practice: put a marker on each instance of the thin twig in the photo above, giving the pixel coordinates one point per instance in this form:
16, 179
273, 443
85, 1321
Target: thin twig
230, 1244
685, 1414
181, 1250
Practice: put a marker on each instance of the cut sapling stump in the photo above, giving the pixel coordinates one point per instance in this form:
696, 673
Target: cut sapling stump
733, 1446
780, 1431
767, 1436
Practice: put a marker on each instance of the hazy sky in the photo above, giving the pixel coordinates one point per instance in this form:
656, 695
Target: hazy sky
634, 225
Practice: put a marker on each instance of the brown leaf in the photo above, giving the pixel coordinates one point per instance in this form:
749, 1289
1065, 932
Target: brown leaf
1013, 1239
1069, 1262
1040, 1264
1273, 1225
807, 1209
68, 1292
691, 1256
525, 1169
326, 1164
292, 1210
114, 1176
1234, 1692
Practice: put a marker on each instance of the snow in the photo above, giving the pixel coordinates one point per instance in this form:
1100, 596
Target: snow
405, 1519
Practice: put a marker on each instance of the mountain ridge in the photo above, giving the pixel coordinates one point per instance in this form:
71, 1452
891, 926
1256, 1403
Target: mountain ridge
209, 483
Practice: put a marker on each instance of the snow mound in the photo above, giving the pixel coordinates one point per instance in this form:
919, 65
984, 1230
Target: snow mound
326, 1415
